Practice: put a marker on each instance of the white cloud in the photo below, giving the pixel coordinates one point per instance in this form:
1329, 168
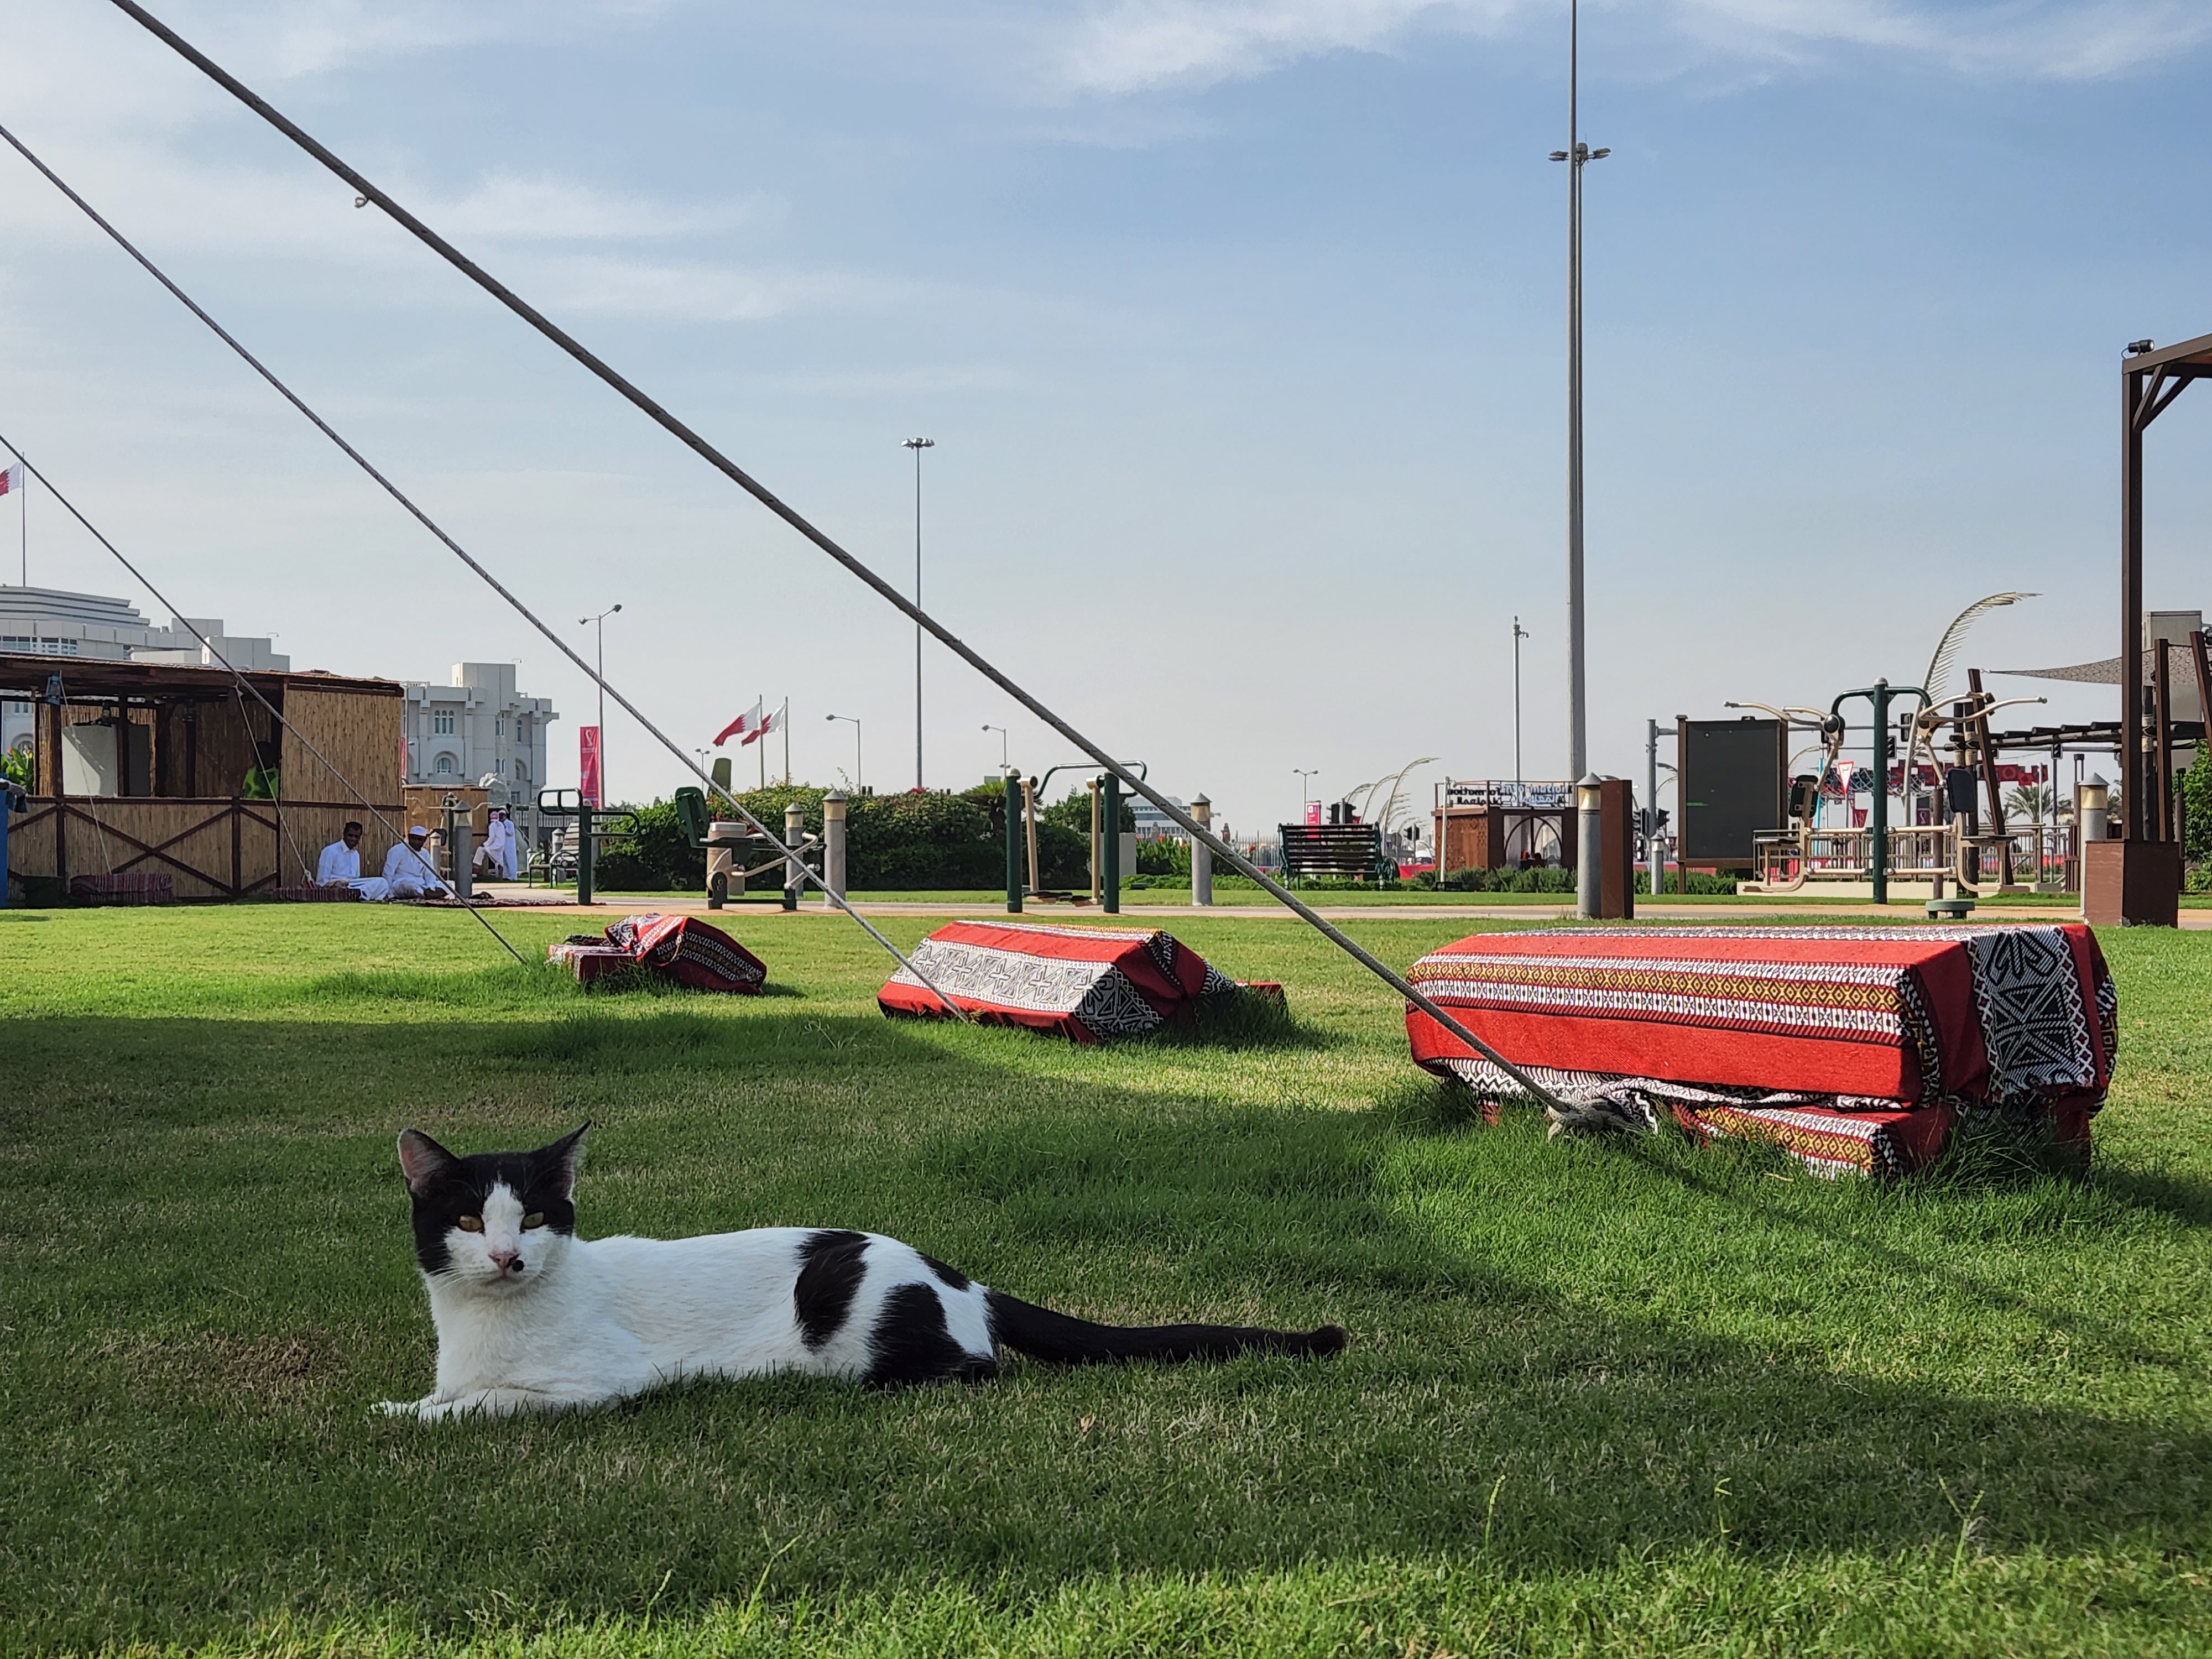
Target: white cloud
1126, 46
1132, 45
2031, 39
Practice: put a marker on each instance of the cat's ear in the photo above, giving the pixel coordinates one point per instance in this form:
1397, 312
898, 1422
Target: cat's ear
562, 1159
422, 1161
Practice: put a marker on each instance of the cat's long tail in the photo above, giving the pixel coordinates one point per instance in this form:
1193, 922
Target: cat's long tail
1062, 1339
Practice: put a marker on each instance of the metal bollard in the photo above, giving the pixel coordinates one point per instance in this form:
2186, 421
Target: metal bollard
832, 845
794, 871
1590, 818
1201, 855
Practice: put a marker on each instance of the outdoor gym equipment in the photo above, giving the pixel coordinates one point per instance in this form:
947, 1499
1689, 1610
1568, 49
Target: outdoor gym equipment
728, 843
591, 828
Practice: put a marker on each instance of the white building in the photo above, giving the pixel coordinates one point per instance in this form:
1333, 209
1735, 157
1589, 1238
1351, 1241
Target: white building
477, 726
52, 622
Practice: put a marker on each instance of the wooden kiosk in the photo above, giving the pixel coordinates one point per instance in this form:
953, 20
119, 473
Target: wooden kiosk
146, 768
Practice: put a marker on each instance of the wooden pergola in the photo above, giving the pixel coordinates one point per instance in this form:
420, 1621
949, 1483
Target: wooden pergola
176, 746
2138, 879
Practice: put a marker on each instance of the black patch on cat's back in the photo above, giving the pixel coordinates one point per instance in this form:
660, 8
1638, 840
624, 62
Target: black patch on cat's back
952, 1278
911, 1344
831, 1265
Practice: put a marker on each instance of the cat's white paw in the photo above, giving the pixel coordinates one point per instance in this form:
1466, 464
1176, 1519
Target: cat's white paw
399, 1408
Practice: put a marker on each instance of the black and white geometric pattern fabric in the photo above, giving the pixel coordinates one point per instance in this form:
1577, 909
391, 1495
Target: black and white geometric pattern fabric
1096, 993
2027, 992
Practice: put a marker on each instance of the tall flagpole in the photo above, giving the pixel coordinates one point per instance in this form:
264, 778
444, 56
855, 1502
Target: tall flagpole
783, 719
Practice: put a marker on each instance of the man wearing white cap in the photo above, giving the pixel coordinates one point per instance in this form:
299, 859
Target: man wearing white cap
407, 872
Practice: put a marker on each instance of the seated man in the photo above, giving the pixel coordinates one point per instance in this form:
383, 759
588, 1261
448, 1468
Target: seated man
408, 873
340, 866
341, 860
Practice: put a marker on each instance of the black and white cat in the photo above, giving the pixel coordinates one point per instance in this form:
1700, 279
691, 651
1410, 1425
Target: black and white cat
530, 1317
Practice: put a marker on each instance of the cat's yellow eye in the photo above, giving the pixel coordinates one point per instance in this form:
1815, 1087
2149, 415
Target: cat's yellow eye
470, 1224
535, 1219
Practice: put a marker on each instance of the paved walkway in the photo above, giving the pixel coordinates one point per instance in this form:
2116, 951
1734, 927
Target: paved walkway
614, 904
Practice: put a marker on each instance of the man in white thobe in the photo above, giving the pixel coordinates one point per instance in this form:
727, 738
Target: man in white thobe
341, 860
407, 872
340, 866
498, 850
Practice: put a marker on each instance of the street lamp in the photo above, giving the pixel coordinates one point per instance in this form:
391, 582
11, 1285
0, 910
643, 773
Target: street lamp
1578, 156
855, 719
1519, 635
1305, 774
601, 620
917, 445
1001, 730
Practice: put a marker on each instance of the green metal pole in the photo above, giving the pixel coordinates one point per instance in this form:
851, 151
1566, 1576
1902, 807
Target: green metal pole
1111, 899
1013, 844
1877, 860
585, 848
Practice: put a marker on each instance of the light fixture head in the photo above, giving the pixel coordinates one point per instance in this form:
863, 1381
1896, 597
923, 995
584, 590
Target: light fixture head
1599, 154
920, 443
1559, 156
2136, 348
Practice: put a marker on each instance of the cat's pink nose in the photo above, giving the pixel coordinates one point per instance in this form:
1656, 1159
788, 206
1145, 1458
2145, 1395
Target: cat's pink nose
508, 1262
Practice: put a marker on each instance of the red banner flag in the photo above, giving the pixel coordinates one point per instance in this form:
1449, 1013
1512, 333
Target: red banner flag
587, 771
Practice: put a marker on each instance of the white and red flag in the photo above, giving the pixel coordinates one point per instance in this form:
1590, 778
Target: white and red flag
748, 722
774, 719
11, 477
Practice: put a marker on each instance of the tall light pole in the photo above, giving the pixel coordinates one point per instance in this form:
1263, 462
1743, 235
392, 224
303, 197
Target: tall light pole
1305, 774
1519, 635
1001, 730
1578, 155
601, 620
917, 445
855, 719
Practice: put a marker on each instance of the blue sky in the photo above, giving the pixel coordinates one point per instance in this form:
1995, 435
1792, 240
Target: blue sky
1239, 327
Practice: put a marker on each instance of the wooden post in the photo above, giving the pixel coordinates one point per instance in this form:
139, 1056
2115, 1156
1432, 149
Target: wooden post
1029, 824
1989, 778
237, 849
2162, 735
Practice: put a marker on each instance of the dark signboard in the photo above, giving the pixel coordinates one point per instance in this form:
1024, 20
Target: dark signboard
1733, 786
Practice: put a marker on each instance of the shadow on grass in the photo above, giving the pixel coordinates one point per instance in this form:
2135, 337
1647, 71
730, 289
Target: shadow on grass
1482, 1408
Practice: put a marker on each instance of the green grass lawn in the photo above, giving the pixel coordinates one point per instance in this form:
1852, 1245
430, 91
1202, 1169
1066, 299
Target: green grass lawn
1601, 1398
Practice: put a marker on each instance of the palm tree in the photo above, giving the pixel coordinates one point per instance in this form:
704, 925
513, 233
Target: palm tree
2032, 801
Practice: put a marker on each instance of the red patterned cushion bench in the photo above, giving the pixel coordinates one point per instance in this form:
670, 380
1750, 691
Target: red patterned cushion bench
682, 948
1084, 984
1852, 1048
321, 893
129, 889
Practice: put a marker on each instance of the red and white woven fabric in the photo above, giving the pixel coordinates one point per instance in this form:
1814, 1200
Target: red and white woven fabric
1085, 983
683, 948
1855, 1048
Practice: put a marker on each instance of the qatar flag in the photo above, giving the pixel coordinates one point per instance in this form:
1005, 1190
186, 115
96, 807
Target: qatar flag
750, 721
11, 477
774, 719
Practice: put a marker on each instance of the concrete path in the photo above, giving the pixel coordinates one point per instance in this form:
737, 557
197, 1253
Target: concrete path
1749, 910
